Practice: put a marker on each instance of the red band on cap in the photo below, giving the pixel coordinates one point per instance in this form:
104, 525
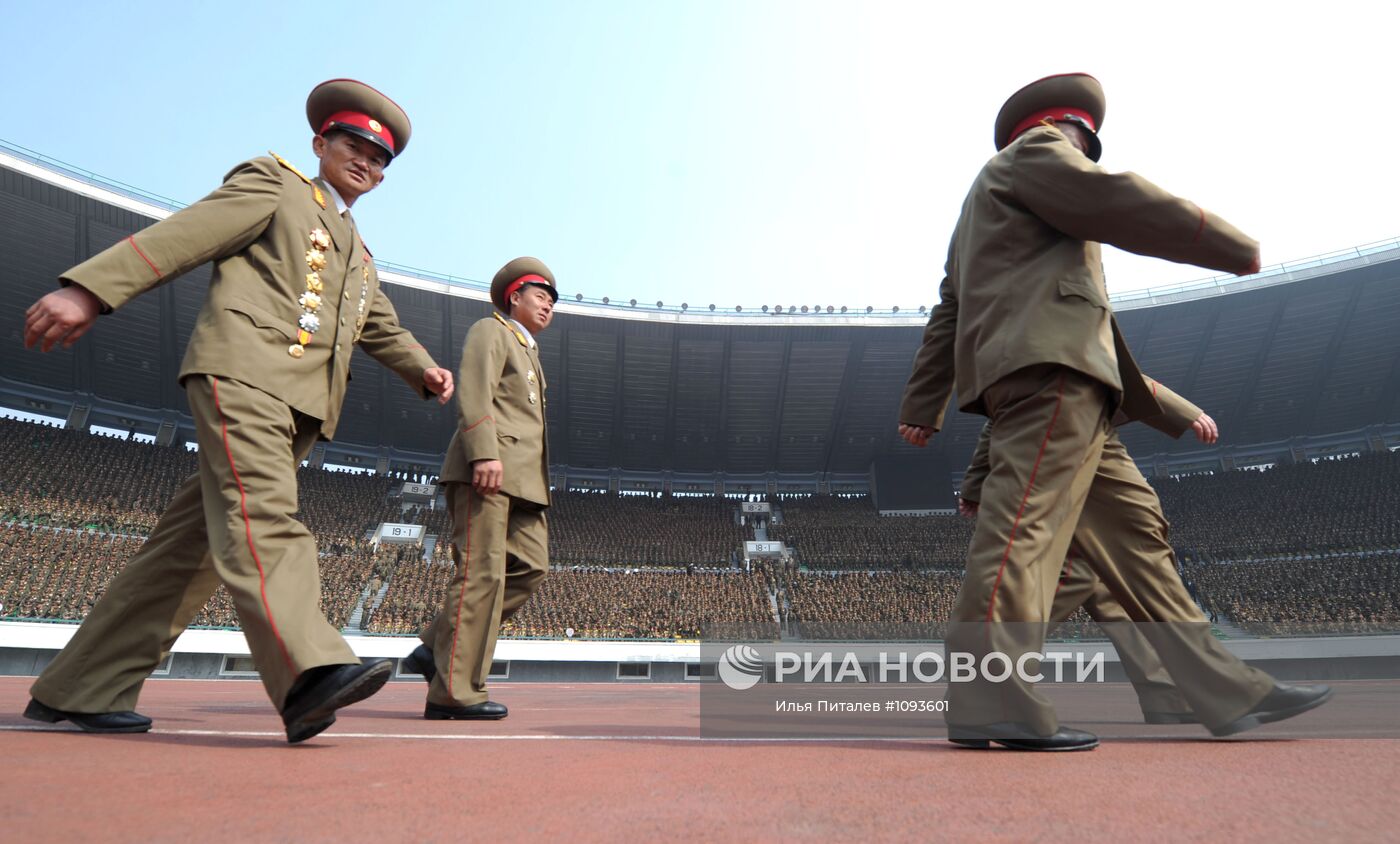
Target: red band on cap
1057, 113
362, 121
530, 278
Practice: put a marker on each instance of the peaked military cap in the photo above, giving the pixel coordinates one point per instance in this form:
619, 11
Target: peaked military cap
517, 274
357, 108
1074, 97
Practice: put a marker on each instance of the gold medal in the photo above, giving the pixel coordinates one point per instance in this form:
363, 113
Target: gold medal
532, 397
296, 350
316, 260
320, 239
530, 375
313, 283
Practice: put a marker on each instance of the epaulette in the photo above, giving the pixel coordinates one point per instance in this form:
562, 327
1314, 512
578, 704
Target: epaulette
315, 190
513, 330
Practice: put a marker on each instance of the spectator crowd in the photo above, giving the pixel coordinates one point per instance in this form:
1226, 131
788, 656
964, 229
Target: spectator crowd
1298, 548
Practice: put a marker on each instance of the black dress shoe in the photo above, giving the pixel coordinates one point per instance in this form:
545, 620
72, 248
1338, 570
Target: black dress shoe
484, 711
1170, 718
1283, 702
1021, 737
420, 662
90, 722
319, 692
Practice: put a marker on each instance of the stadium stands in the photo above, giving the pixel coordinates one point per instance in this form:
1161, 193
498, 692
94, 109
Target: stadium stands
1275, 552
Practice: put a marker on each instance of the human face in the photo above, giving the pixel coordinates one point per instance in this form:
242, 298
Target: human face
351, 164
532, 307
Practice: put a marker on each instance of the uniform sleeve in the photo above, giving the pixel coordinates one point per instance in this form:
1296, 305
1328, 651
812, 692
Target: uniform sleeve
222, 223
930, 384
1177, 413
979, 468
1061, 186
483, 362
394, 346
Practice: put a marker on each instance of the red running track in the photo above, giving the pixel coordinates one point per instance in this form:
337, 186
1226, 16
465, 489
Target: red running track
615, 761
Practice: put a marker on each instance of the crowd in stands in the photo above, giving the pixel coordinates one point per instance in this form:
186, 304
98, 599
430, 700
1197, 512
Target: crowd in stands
1271, 551
830, 533
599, 529
1349, 594
1332, 505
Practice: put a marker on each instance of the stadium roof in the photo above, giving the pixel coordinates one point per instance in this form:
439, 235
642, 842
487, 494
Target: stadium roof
1305, 348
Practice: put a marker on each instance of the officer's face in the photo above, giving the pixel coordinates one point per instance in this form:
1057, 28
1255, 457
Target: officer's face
532, 308
351, 164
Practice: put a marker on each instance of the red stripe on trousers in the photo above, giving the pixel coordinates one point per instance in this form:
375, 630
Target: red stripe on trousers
991, 607
1069, 563
462, 596
248, 527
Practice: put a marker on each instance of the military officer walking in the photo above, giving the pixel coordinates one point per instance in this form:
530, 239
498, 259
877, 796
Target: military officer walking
294, 291
496, 475
1025, 332
1079, 586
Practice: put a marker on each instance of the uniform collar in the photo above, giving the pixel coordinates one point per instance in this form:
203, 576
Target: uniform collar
340, 205
529, 338
517, 329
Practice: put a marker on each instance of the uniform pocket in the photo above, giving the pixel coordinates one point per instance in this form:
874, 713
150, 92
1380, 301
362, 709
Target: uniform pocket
1084, 288
262, 318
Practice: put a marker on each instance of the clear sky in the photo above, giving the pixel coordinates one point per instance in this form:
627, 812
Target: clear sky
749, 152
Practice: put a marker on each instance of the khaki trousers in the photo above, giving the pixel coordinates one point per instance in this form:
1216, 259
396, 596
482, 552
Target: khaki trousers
1059, 474
500, 546
233, 522
1079, 586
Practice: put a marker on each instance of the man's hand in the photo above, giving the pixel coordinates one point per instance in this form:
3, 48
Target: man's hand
915, 435
1205, 429
439, 381
967, 508
62, 316
486, 476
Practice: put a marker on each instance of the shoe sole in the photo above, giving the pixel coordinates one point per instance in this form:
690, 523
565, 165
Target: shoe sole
1013, 744
37, 711
1258, 719
440, 716
315, 721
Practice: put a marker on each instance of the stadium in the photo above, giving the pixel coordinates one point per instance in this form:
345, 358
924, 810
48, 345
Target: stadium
713, 466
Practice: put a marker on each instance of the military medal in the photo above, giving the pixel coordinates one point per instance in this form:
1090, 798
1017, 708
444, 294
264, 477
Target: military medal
310, 301
532, 397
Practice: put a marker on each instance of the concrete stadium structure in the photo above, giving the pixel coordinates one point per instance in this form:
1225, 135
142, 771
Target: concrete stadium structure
1302, 360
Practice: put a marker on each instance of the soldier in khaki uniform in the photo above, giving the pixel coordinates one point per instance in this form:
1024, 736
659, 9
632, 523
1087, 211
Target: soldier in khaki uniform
294, 291
496, 475
1078, 586
1025, 333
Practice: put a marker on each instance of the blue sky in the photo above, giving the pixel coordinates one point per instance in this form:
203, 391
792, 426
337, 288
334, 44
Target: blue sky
749, 153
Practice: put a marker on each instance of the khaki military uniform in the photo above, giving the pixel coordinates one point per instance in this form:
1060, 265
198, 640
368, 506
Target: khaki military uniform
1079, 586
1025, 333
294, 290
500, 542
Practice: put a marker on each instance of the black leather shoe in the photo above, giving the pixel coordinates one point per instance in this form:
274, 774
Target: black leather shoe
1283, 702
1170, 718
1021, 737
485, 711
90, 722
319, 692
420, 662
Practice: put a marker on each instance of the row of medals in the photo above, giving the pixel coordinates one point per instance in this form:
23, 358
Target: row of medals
309, 322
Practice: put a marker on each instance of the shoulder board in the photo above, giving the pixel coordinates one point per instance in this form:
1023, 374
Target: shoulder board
315, 191
520, 338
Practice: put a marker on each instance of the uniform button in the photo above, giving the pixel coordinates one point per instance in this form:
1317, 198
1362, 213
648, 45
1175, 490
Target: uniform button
345, 295
342, 320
